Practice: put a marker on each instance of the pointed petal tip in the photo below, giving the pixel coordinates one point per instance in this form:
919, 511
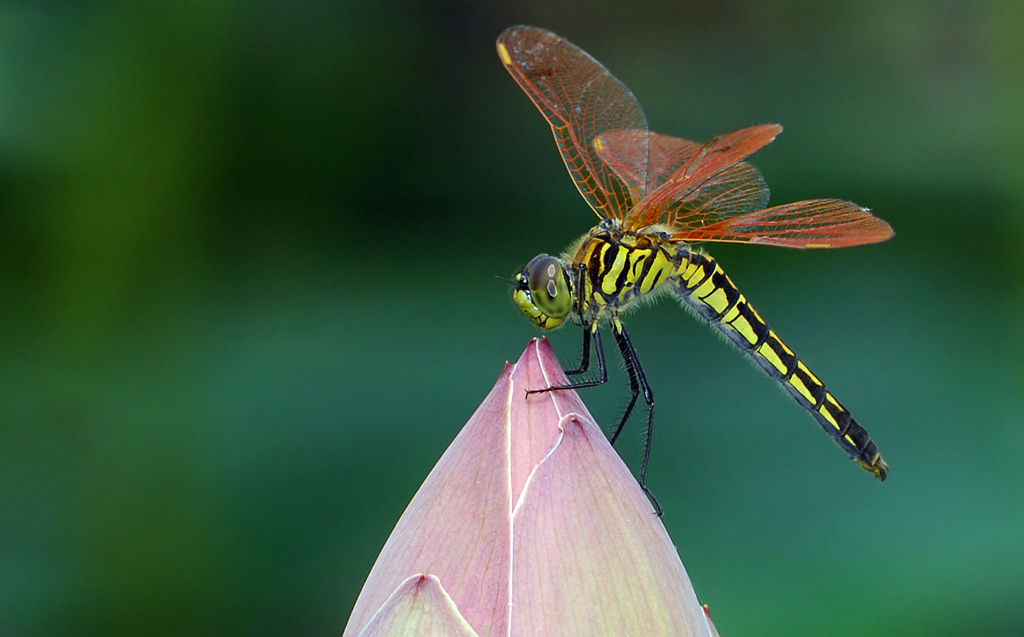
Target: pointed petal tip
544, 352
419, 606
538, 352
582, 496
711, 624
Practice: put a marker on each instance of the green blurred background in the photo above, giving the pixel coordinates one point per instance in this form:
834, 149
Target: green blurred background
253, 280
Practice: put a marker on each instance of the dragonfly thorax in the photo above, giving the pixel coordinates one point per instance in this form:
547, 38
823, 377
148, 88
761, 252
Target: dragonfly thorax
621, 266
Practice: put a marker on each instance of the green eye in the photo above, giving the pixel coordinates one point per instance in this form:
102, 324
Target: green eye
548, 286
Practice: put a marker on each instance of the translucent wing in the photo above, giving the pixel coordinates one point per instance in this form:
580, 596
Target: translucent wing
692, 185
708, 193
815, 223
581, 100
665, 155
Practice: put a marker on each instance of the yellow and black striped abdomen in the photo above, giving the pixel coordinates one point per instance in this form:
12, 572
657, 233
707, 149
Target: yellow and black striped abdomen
705, 287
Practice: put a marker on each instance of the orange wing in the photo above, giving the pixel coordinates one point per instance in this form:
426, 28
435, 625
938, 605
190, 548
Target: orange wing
708, 193
815, 223
580, 100
625, 172
690, 184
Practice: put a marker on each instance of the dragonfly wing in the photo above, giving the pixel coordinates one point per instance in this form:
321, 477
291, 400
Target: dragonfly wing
692, 184
815, 223
735, 191
716, 169
581, 100
616, 149
724, 151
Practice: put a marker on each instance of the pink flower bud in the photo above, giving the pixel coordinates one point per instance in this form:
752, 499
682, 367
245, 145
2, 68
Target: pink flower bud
529, 525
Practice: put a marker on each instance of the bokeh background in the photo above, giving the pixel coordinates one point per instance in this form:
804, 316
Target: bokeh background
254, 264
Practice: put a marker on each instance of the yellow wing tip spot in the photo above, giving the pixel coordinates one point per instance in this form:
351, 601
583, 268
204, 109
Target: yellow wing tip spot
599, 144
506, 59
817, 245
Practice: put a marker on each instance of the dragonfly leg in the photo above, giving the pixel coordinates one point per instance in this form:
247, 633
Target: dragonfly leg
585, 355
589, 331
637, 384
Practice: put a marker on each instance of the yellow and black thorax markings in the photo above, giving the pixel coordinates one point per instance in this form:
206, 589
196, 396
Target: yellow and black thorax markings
623, 266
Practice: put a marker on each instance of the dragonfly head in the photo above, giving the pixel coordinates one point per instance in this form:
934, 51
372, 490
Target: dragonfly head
543, 293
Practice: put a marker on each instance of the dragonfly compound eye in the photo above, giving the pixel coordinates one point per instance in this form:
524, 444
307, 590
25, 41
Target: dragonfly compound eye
548, 286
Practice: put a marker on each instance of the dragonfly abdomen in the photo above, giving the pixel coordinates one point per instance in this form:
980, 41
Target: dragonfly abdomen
709, 291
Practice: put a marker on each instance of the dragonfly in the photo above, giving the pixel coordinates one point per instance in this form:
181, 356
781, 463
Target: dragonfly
657, 198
